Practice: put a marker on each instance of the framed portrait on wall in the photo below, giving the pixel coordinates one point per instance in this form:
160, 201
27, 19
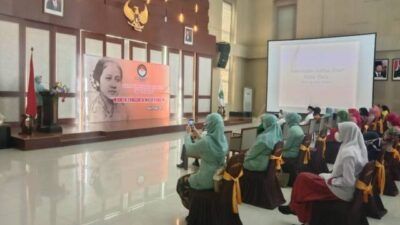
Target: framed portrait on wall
54, 7
396, 69
381, 69
188, 36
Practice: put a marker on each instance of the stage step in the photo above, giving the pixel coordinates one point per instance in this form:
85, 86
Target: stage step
83, 138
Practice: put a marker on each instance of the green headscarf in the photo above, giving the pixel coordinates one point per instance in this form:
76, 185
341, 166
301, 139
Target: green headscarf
215, 133
342, 116
328, 112
292, 119
272, 133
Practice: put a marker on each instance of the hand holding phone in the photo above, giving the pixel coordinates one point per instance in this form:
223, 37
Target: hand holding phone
191, 123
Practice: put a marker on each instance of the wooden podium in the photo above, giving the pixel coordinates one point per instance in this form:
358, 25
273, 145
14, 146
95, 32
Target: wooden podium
49, 114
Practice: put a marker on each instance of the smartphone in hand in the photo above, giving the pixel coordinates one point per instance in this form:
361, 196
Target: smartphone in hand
191, 123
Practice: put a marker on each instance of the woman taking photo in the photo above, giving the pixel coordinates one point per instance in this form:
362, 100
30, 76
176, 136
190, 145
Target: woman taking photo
211, 149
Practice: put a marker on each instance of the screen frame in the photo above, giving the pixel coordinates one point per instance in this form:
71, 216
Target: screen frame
317, 38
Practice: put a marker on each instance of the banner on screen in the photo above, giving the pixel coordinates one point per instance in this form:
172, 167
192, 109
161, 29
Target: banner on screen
121, 90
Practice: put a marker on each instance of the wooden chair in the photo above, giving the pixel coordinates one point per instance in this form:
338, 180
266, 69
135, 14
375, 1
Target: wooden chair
346, 213
374, 207
262, 189
243, 142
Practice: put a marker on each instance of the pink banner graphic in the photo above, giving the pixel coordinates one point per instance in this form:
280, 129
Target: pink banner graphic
120, 90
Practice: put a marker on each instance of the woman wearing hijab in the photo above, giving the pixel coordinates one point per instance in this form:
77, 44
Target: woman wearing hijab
328, 112
211, 149
355, 117
340, 184
385, 111
39, 99
295, 136
309, 117
257, 158
393, 127
341, 116
292, 145
377, 123
364, 115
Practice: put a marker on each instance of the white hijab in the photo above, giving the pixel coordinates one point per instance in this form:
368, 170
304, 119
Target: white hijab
353, 144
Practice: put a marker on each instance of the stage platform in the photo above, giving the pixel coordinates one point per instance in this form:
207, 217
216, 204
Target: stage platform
96, 132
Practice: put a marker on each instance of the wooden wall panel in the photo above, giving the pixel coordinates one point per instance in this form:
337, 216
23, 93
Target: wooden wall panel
106, 17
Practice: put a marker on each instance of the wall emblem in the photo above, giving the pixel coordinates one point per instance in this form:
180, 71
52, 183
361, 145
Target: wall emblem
136, 18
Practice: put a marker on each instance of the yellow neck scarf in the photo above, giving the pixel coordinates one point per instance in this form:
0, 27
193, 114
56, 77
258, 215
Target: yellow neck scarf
236, 193
323, 140
380, 176
278, 161
307, 155
374, 126
396, 154
380, 126
366, 190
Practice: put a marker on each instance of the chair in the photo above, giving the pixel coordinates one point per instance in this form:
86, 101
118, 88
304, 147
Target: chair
332, 150
346, 213
229, 192
306, 128
304, 160
204, 208
375, 208
294, 166
318, 163
228, 136
314, 127
392, 158
262, 189
243, 142
323, 125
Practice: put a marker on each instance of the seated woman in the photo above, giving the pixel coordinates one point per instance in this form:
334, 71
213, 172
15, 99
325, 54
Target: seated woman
364, 118
309, 117
341, 116
393, 125
377, 123
292, 145
338, 185
211, 149
184, 157
328, 112
355, 117
317, 114
257, 158
281, 121
385, 111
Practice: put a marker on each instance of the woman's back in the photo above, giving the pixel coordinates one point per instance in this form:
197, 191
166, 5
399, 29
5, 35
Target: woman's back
293, 142
256, 158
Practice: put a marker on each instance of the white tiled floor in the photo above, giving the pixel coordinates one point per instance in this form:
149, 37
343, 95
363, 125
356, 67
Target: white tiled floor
125, 182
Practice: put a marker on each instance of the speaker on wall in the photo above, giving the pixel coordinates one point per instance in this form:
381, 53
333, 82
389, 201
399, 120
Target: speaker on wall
223, 49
